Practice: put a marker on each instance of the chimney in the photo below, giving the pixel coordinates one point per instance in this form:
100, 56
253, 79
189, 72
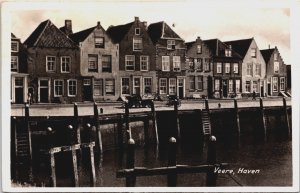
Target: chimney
98, 24
145, 24
136, 19
198, 38
269, 46
68, 27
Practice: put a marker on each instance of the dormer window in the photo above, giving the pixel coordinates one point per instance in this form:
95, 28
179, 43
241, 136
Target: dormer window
171, 44
253, 52
137, 44
228, 53
14, 46
199, 49
99, 42
137, 31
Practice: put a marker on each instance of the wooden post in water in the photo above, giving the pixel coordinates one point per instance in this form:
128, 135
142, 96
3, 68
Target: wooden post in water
211, 176
263, 121
154, 122
27, 127
53, 173
13, 146
206, 105
120, 131
172, 177
127, 120
178, 133
237, 118
75, 169
146, 131
130, 180
92, 167
286, 118
99, 146
76, 123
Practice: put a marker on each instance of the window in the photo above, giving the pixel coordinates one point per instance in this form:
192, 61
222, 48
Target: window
58, 88
282, 83
192, 82
99, 42
14, 63
275, 84
125, 86
230, 86
257, 69
19, 82
219, 67
227, 67
137, 44
172, 86
191, 64
65, 63
217, 84
14, 46
72, 87
275, 56
147, 85
86, 82
137, 31
247, 86
237, 85
199, 49
206, 64
129, 62
200, 83
198, 64
254, 86
165, 63
144, 61
171, 44
228, 52
109, 87
276, 67
176, 63
253, 52
163, 86
98, 87
50, 63
93, 63
235, 68
249, 69
106, 63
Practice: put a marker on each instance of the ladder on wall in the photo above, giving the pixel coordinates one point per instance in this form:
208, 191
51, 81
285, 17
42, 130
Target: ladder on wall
206, 124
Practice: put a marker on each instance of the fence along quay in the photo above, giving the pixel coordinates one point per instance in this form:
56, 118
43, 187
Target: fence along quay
151, 124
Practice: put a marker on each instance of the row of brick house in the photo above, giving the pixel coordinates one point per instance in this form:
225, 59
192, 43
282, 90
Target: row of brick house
56, 65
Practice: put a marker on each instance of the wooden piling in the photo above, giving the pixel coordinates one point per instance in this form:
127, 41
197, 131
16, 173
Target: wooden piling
75, 169
14, 147
92, 167
146, 131
126, 117
178, 133
154, 122
120, 131
206, 104
286, 118
211, 176
131, 180
27, 127
237, 119
76, 123
172, 177
53, 173
99, 146
263, 121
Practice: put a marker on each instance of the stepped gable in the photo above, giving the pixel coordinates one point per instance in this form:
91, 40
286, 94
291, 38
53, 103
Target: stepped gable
217, 47
267, 53
240, 46
49, 36
161, 30
81, 35
117, 33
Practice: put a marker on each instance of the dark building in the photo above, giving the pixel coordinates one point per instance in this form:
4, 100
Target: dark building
226, 70
19, 76
289, 78
136, 58
170, 59
276, 72
53, 65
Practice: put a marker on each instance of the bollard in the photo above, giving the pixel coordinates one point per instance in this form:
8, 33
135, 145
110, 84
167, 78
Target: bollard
76, 123
154, 122
130, 180
211, 176
99, 146
286, 117
237, 118
263, 121
172, 177
177, 120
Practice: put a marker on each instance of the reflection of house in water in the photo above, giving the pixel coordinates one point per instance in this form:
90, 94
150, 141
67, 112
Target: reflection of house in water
19, 76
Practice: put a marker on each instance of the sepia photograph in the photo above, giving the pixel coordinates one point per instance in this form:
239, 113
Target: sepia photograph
111, 95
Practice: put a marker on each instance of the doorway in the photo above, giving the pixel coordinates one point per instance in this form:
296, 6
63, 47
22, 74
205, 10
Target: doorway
180, 87
269, 89
225, 94
137, 85
87, 90
19, 90
44, 90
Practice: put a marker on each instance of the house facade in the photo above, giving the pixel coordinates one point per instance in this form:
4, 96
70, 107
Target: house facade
226, 67
19, 75
199, 71
276, 72
53, 66
253, 67
99, 64
170, 60
136, 58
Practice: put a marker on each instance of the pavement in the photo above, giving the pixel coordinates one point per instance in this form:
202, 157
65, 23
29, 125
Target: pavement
86, 108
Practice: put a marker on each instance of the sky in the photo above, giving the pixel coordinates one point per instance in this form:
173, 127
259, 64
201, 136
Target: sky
269, 23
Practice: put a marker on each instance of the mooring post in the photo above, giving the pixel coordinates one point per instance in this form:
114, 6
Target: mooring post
76, 123
211, 176
53, 174
146, 131
99, 146
177, 119
75, 169
263, 121
172, 177
120, 131
154, 122
237, 118
127, 120
130, 180
286, 117
92, 167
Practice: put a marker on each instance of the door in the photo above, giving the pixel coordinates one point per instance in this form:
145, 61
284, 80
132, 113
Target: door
225, 94
19, 90
269, 89
137, 85
44, 90
87, 90
180, 86
262, 91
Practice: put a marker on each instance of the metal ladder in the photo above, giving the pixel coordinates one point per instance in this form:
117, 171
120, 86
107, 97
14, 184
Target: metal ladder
22, 146
206, 125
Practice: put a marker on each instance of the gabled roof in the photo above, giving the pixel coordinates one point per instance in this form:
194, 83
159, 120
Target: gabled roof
267, 53
240, 46
48, 35
160, 30
81, 35
117, 33
13, 36
217, 48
